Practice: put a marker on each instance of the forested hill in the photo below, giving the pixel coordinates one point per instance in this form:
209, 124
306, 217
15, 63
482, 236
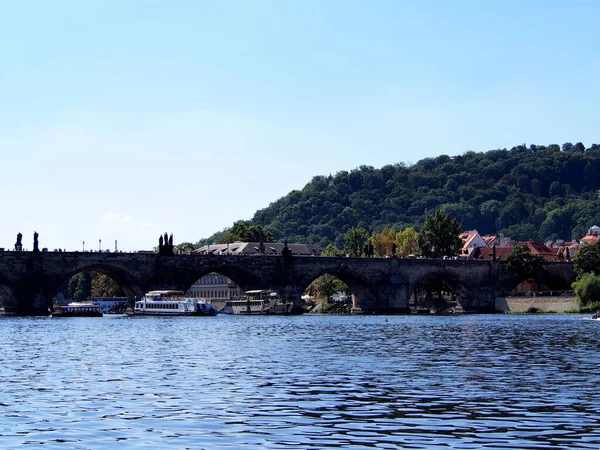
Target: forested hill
533, 192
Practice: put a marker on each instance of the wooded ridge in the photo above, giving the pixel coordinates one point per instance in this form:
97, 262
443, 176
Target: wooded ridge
527, 193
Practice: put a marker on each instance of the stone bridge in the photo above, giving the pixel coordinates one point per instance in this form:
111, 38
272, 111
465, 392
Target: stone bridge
29, 280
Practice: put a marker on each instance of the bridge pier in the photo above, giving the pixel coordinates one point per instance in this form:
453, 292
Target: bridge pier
387, 297
30, 300
290, 293
384, 298
8, 302
133, 293
482, 300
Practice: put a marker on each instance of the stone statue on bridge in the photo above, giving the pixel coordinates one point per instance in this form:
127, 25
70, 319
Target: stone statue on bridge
19, 244
36, 247
165, 245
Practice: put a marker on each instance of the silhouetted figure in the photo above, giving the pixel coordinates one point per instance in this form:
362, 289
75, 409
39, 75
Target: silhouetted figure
568, 255
494, 252
366, 251
165, 245
36, 247
371, 250
286, 252
19, 244
394, 249
261, 247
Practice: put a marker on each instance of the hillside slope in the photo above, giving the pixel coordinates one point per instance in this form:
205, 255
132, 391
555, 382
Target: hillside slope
533, 192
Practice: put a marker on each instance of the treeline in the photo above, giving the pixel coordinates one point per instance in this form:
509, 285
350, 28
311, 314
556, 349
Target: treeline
87, 284
528, 193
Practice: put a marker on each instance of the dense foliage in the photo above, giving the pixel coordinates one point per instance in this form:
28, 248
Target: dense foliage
244, 231
440, 235
527, 193
587, 260
354, 241
587, 267
87, 284
587, 289
523, 264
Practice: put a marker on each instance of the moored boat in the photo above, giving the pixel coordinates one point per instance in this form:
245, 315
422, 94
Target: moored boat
78, 309
172, 303
257, 302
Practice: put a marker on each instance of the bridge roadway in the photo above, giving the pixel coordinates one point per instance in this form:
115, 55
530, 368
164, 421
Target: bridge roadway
30, 280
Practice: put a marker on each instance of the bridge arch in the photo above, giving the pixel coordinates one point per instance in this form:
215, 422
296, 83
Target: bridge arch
131, 285
363, 294
184, 279
440, 291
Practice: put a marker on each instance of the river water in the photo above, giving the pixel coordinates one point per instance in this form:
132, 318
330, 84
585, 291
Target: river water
304, 382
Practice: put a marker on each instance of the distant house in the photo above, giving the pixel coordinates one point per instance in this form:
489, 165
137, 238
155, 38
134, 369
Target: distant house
591, 237
536, 248
471, 240
565, 251
539, 248
487, 253
214, 287
498, 240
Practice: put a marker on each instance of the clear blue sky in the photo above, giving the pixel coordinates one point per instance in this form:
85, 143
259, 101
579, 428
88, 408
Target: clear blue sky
120, 120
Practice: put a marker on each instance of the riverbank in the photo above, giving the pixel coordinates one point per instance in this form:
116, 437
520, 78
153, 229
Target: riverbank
544, 303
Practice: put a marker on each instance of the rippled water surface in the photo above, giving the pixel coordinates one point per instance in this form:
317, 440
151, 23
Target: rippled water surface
301, 382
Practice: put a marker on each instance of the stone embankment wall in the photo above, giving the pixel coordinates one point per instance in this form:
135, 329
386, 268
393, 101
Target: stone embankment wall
541, 303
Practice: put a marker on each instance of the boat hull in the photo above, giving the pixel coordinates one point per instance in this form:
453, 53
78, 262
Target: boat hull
173, 313
74, 314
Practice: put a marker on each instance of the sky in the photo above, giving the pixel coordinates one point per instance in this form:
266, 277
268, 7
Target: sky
121, 120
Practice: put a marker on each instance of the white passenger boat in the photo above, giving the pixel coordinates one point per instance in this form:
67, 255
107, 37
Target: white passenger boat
256, 302
172, 303
78, 309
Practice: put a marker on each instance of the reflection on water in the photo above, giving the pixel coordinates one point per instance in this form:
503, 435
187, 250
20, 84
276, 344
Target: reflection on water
300, 382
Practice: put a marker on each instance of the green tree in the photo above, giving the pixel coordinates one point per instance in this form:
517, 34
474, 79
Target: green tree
522, 232
523, 264
408, 242
440, 236
244, 231
79, 286
327, 285
184, 247
587, 260
331, 250
587, 289
355, 239
383, 241
104, 286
